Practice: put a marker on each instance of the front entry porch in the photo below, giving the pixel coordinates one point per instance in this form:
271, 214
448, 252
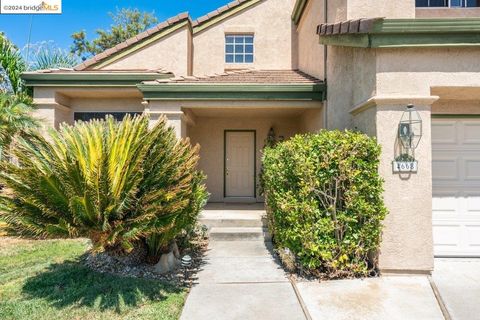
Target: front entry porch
231, 142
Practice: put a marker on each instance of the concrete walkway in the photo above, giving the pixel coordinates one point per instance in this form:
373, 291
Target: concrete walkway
458, 281
240, 278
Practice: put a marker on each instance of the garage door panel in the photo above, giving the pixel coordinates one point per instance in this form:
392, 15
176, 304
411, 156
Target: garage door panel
471, 132
445, 204
444, 133
473, 204
447, 235
456, 186
472, 169
445, 169
473, 235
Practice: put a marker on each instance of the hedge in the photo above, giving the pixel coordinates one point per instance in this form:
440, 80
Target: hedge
324, 201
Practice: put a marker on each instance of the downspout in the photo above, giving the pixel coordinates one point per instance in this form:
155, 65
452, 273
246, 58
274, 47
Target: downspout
325, 60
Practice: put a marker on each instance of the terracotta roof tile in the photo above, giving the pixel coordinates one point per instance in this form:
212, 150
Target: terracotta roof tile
349, 26
218, 11
249, 77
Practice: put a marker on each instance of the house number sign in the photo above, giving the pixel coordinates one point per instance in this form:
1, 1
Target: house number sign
405, 166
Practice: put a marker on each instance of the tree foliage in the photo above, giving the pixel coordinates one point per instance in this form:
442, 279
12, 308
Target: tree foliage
126, 24
13, 65
15, 117
119, 184
45, 55
324, 198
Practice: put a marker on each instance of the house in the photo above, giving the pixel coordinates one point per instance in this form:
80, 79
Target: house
257, 67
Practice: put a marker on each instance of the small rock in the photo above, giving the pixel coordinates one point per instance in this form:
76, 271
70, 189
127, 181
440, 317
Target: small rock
167, 263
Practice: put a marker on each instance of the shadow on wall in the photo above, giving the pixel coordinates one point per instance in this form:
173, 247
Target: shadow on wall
72, 284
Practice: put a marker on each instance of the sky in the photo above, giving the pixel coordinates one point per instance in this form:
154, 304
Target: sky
91, 15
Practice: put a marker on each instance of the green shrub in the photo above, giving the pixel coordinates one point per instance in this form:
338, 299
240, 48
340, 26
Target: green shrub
324, 199
120, 184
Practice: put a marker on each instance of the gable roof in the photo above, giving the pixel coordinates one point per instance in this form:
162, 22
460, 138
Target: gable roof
162, 29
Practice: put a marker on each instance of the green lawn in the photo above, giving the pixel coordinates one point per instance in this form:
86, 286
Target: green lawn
44, 280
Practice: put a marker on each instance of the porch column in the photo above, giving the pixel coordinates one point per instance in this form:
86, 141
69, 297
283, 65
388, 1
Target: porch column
175, 116
51, 108
407, 241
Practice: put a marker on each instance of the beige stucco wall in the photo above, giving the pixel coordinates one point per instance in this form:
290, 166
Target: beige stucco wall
209, 133
337, 10
351, 74
383, 82
271, 23
380, 8
341, 10
171, 53
310, 52
407, 238
427, 13
416, 71
312, 120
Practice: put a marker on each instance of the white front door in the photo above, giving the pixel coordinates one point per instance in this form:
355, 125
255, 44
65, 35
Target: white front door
240, 164
456, 186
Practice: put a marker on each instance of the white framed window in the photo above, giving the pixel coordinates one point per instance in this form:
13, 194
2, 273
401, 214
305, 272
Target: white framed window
447, 3
239, 48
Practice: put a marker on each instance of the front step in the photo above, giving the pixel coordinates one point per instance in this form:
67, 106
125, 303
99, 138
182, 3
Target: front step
232, 223
239, 234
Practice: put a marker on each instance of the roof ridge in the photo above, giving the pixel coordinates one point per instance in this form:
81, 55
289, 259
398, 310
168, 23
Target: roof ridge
218, 11
135, 39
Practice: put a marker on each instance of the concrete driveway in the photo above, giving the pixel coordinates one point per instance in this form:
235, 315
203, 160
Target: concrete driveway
392, 298
458, 281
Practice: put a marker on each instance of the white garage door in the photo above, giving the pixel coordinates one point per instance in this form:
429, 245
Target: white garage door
456, 186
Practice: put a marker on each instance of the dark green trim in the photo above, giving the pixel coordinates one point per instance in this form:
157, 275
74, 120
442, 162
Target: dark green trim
225, 161
90, 79
456, 116
398, 33
233, 91
298, 10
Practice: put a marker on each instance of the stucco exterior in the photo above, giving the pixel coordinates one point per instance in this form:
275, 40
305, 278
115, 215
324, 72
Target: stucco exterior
311, 54
274, 39
173, 53
367, 90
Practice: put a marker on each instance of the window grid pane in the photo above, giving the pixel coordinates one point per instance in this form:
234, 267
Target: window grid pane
239, 48
447, 3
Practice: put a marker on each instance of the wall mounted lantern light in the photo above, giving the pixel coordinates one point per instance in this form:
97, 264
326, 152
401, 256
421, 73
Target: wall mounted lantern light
410, 128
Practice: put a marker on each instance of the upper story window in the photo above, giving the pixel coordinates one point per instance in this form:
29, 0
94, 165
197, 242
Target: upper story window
239, 48
448, 3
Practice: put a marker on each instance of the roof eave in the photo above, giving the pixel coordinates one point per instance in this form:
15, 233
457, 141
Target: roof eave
402, 33
234, 91
298, 10
80, 79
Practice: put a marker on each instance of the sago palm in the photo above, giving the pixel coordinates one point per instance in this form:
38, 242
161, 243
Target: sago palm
117, 183
15, 117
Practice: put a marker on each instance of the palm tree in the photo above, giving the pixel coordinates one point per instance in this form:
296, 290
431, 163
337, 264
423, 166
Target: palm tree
45, 55
121, 184
15, 117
